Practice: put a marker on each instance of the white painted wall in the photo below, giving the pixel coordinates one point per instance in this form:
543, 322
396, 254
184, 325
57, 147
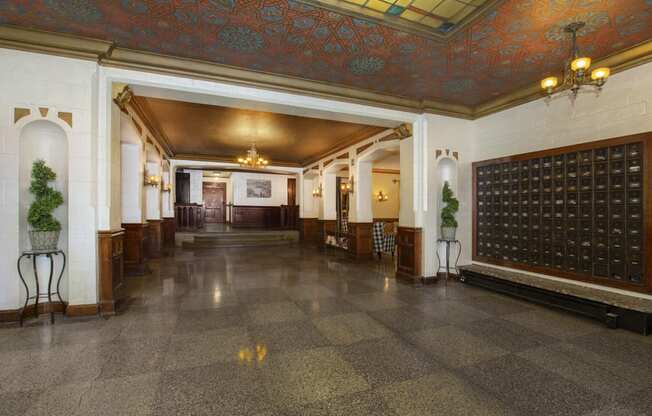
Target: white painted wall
279, 189
196, 186
29, 80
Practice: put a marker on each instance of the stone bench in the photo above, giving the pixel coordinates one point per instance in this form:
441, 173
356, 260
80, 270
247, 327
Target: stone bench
615, 309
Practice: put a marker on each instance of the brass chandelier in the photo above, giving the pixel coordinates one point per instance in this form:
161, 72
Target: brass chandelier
576, 70
253, 159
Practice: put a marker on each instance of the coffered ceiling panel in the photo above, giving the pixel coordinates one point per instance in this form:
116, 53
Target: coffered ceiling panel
511, 44
198, 130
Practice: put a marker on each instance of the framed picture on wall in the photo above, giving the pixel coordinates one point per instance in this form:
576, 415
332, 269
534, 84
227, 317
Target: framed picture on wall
259, 188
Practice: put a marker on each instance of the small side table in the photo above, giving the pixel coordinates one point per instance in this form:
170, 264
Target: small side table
448, 243
33, 254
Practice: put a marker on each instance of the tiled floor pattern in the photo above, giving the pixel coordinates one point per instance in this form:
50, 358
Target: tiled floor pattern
298, 332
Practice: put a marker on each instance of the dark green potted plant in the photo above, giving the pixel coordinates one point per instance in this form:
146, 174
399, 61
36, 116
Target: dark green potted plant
448, 221
45, 229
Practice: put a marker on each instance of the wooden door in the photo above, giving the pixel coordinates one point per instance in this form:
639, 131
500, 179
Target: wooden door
215, 201
292, 192
182, 186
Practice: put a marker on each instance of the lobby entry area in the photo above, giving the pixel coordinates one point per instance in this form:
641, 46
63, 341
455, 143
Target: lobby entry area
294, 331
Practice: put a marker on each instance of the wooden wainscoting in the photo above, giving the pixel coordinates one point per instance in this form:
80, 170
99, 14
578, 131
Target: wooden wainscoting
310, 230
168, 228
111, 261
189, 216
408, 241
134, 248
153, 246
256, 216
361, 239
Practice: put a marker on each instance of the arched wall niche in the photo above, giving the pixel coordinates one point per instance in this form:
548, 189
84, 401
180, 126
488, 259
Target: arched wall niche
43, 139
446, 170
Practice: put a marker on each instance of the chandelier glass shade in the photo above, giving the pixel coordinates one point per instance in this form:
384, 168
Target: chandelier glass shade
576, 70
253, 159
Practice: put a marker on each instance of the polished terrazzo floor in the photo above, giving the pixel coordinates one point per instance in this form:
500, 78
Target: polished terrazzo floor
294, 331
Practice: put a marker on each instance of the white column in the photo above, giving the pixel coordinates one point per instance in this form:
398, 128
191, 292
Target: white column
361, 207
153, 193
132, 183
166, 197
329, 197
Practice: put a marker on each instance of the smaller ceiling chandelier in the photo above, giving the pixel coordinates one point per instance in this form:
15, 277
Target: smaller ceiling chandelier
253, 160
576, 70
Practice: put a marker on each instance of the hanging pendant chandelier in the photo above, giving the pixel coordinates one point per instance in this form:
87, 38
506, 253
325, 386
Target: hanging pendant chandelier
576, 70
253, 160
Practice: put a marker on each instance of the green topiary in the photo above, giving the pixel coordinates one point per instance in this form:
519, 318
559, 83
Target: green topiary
452, 206
46, 200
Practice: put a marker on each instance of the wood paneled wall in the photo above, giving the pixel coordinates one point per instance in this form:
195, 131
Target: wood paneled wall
111, 270
134, 248
283, 216
153, 246
409, 242
361, 240
310, 230
168, 228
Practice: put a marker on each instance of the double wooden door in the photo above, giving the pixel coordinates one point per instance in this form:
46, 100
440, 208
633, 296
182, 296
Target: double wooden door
215, 201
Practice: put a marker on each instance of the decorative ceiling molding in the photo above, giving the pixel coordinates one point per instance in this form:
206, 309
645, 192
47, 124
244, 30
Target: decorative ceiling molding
130, 105
107, 55
223, 159
347, 142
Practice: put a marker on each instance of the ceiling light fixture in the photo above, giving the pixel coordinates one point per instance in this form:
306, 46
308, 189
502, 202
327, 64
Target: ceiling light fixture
576, 69
253, 159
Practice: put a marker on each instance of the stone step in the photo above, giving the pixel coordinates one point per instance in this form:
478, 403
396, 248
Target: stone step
243, 243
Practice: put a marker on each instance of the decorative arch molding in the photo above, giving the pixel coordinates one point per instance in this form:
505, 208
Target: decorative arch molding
333, 164
370, 153
26, 115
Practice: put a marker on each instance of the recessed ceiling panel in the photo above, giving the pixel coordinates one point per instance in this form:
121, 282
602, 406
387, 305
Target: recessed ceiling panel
225, 133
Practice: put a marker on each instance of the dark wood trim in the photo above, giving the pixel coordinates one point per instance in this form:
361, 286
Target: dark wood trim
360, 240
82, 310
387, 171
646, 138
134, 248
385, 219
409, 251
111, 269
10, 315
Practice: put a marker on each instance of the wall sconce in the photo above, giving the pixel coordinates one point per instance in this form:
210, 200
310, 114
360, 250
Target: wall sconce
317, 192
166, 188
347, 187
152, 180
382, 197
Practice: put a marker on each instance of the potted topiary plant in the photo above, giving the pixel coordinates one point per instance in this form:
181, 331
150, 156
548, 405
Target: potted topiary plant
44, 234
448, 221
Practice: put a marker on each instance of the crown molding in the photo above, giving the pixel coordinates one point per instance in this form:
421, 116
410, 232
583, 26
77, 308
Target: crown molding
108, 54
31, 40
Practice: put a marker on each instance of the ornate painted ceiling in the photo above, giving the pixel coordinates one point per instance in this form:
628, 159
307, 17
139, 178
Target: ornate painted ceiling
511, 45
